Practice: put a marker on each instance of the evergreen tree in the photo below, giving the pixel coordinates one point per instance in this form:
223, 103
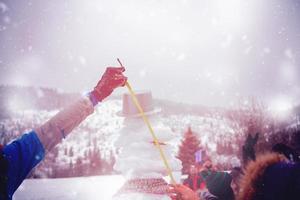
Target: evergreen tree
71, 169
111, 162
95, 162
79, 168
65, 151
71, 152
190, 144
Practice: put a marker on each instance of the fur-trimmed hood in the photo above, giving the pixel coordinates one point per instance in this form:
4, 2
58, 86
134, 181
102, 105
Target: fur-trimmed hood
251, 182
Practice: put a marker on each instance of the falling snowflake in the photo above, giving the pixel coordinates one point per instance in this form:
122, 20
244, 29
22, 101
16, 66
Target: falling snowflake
3, 7
288, 53
6, 19
181, 57
82, 60
142, 73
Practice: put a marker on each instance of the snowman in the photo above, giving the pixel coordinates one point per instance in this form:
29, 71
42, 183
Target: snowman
139, 160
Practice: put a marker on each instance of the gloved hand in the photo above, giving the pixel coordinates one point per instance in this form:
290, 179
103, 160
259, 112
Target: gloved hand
111, 79
182, 192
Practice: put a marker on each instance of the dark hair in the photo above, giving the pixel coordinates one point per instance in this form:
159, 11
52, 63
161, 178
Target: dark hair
3, 174
287, 151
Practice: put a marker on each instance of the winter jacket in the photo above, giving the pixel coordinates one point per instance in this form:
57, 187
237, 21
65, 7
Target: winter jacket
271, 177
26, 152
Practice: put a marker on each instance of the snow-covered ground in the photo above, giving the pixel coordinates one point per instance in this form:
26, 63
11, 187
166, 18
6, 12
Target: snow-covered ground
83, 188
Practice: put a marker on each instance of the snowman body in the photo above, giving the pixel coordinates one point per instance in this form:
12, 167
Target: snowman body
140, 162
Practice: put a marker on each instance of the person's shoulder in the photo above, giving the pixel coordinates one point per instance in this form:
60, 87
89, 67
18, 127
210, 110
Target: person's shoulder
29, 138
28, 142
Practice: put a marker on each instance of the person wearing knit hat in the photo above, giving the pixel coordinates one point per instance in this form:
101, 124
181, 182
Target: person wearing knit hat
218, 183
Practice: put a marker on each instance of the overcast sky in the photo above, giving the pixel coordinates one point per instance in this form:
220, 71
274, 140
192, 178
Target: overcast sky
208, 52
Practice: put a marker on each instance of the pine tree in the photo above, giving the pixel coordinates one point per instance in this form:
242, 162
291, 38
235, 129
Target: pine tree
71, 168
65, 151
96, 164
190, 144
71, 152
111, 162
79, 168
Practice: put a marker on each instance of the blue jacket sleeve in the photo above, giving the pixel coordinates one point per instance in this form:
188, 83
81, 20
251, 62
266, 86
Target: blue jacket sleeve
22, 154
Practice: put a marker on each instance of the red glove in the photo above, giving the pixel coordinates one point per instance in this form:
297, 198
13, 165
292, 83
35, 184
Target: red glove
111, 79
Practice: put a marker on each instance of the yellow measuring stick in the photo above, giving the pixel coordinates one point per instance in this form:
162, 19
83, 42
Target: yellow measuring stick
156, 142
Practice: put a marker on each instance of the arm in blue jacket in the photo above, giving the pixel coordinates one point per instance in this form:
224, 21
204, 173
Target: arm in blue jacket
26, 152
